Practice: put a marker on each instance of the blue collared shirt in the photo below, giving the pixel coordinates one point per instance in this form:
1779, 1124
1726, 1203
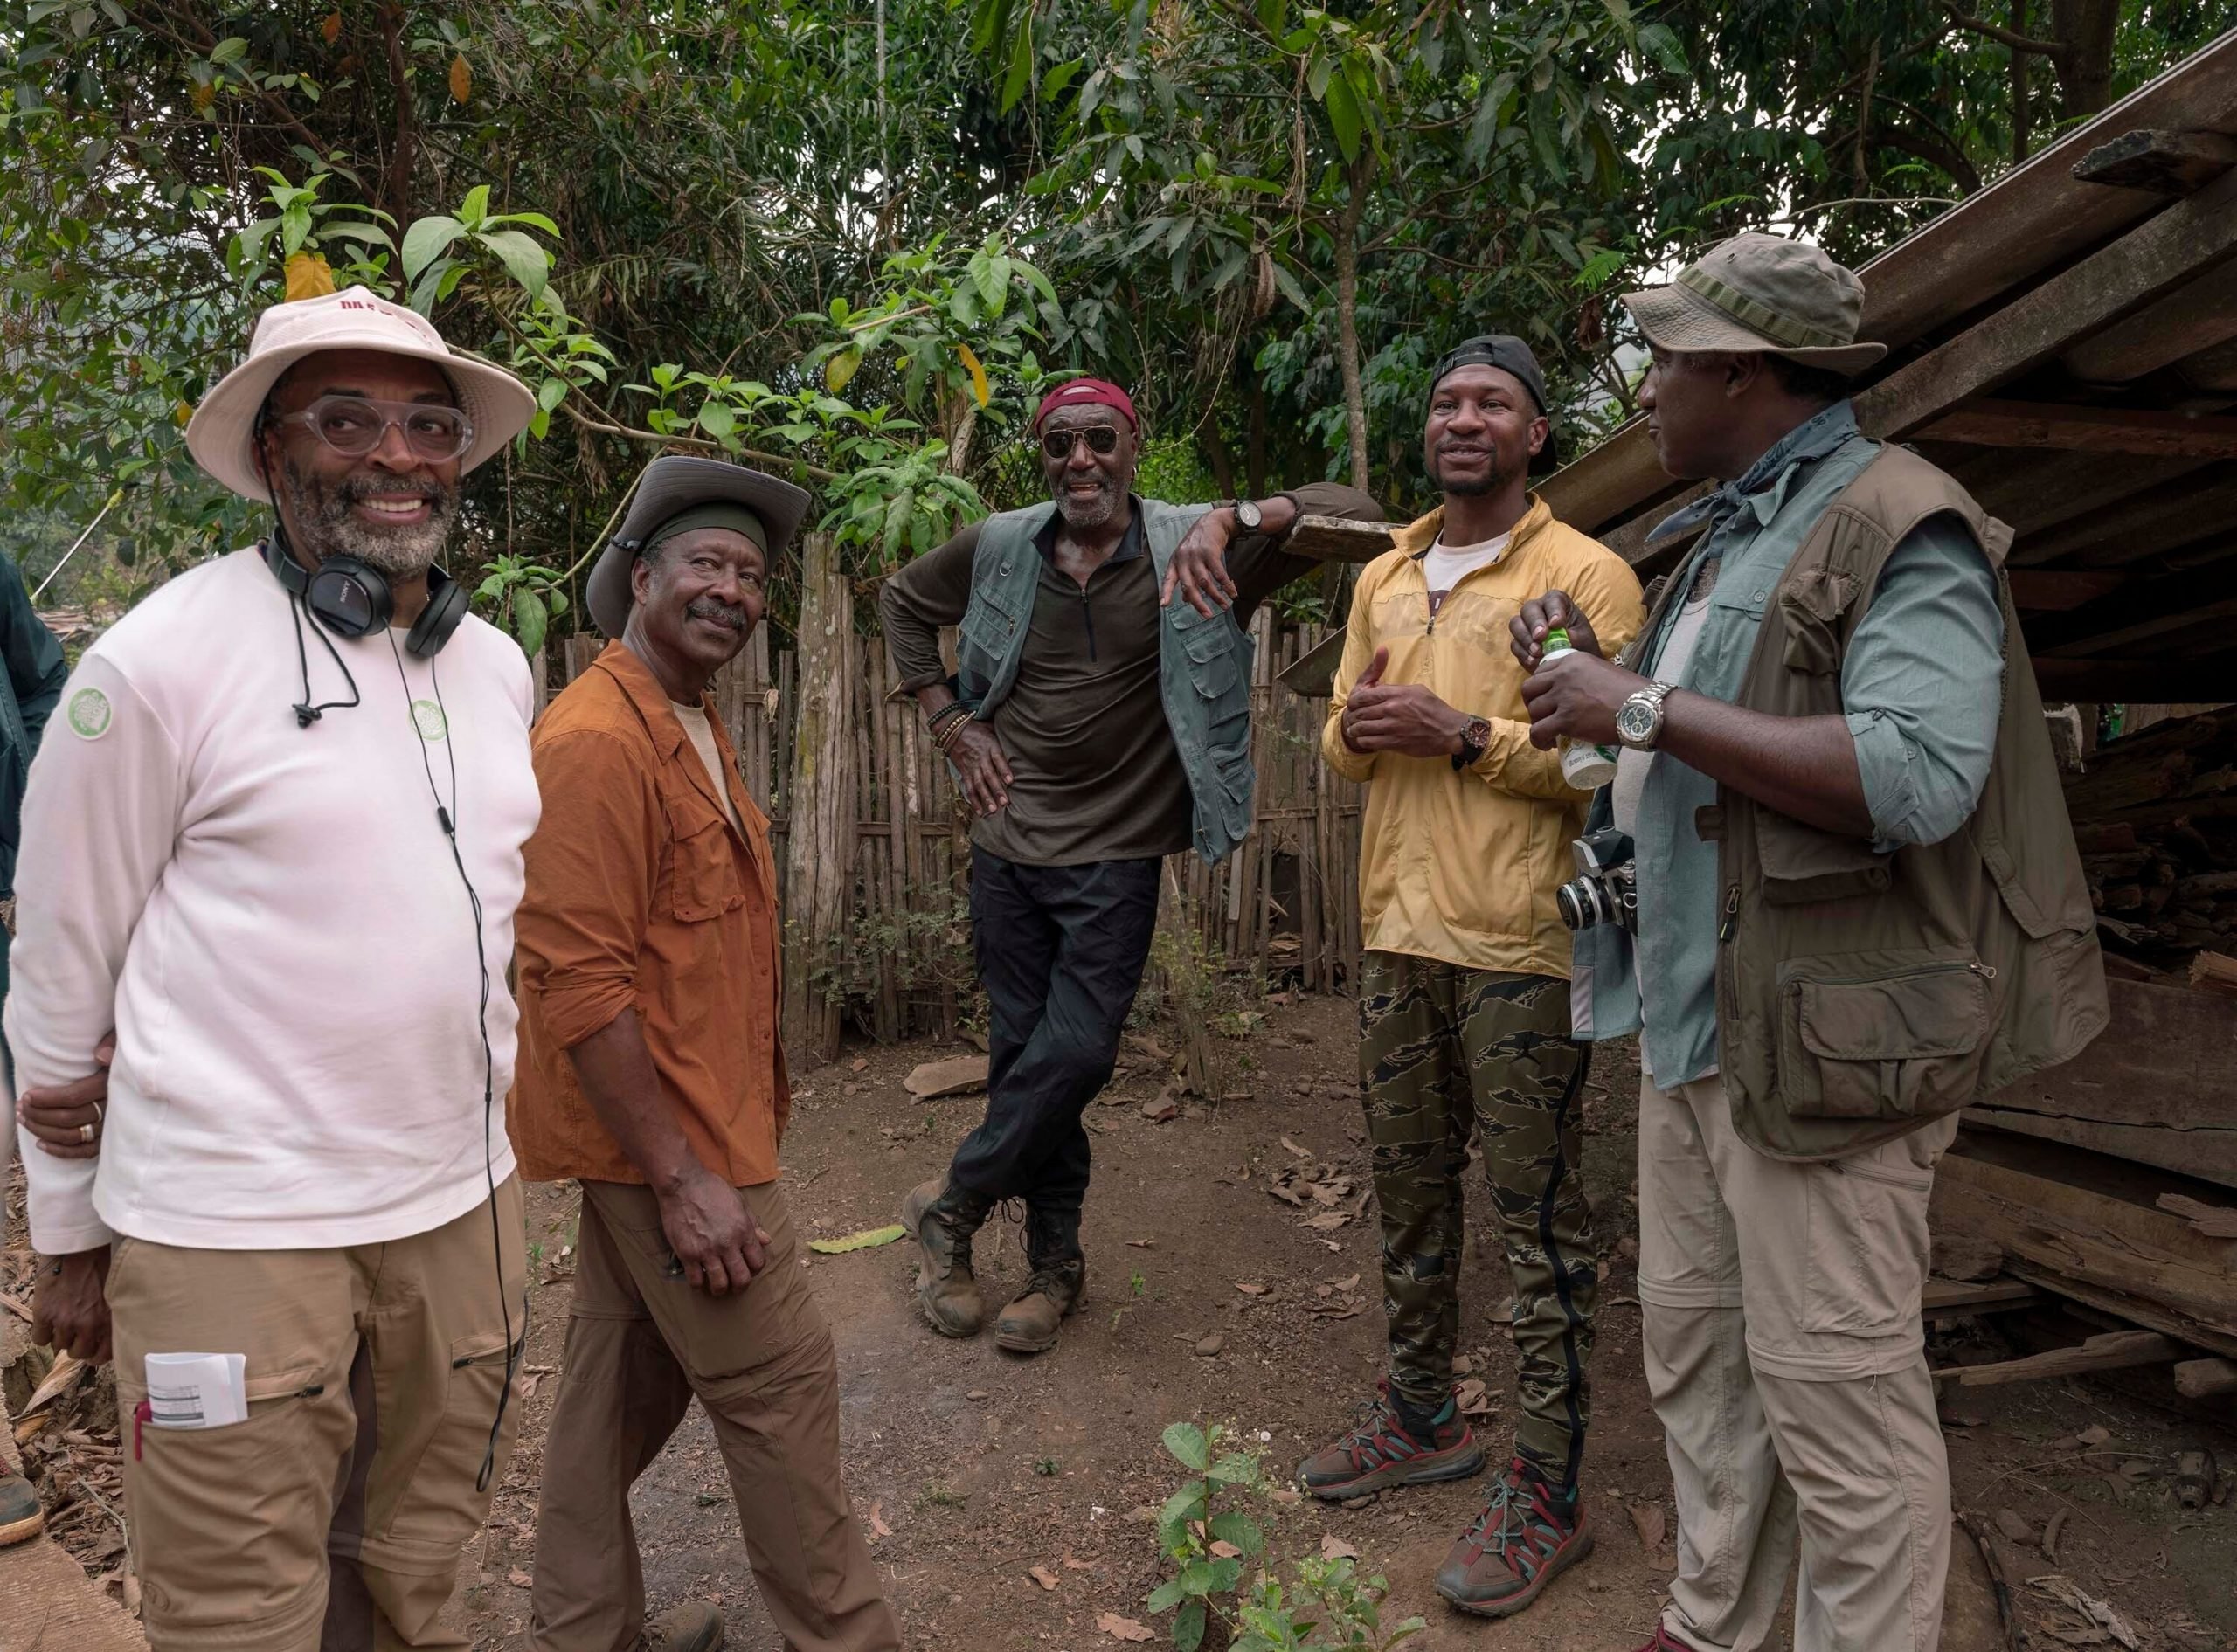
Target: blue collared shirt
1922, 684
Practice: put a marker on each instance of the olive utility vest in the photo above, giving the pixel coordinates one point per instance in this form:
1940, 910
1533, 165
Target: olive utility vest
1204, 663
1861, 994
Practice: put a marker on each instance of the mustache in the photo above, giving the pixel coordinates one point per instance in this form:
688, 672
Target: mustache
721, 612
357, 487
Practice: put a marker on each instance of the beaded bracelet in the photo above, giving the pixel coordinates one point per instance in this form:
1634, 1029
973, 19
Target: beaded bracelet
946, 737
947, 717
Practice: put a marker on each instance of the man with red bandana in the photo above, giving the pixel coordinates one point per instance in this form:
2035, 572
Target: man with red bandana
1098, 721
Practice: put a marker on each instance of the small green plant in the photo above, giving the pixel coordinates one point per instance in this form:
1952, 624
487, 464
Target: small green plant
1207, 1546
524, 597
1329, 1606
1142, 1286
1326, 1606
940, 1495
1046, 1468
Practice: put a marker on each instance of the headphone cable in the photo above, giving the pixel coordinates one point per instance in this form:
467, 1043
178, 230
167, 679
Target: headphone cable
446, 817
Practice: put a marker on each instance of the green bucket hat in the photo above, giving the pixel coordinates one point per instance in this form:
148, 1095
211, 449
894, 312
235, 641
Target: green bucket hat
1761, 292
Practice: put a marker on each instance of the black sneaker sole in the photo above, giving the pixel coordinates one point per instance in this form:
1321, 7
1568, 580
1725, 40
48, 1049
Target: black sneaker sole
1392, 1476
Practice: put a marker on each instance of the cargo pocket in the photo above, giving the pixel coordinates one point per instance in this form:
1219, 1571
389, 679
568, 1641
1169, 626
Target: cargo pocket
1881, 1035
1811, 608
229, 1521
1236, 780
1802, 864
436, 1505
1865, 1241
1219, 670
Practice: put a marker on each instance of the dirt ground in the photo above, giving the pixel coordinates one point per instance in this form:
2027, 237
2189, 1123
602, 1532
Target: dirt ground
981, 1466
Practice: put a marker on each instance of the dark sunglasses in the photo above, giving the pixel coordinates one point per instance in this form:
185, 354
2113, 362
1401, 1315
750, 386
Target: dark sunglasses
355, 425
1101, 440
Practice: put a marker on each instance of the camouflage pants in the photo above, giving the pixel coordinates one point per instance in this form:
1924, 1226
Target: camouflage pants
1445, 1051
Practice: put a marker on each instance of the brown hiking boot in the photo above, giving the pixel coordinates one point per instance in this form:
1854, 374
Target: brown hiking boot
1029, 1324
943, 1220
693, 1627
21, 1518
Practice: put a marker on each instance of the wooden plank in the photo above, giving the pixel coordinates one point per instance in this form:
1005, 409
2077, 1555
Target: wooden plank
1948, 1295
2062, 590
2083, 1225
2215, 973
2105, 680
822, 838
2109, 1351
2181, 244
2163, 162
2150, 432
2117, 624
1337, 539
2189, 319
1312, 674
2167, 1061
2203, 1378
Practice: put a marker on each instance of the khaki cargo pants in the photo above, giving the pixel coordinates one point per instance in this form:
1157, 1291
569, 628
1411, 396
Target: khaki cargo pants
1780, 1308
1445, 1053
334, 1516
641, 1343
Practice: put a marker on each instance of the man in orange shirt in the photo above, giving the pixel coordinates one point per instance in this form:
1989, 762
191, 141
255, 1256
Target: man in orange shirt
651, 1074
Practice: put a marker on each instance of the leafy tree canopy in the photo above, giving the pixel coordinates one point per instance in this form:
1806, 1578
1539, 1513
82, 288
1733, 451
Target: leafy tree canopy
852, 241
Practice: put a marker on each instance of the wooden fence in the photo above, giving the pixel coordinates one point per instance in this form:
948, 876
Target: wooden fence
871, 839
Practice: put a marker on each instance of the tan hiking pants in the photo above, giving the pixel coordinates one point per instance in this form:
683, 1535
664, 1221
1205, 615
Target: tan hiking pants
334, 1516
642, 1342
1787, 1363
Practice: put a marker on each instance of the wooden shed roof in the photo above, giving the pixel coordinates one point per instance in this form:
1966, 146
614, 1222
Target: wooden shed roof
2065, 343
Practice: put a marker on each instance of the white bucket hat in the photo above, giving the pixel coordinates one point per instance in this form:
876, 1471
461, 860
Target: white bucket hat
222, 434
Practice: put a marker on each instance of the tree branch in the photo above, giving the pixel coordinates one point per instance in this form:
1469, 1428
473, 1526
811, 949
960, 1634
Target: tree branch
2054, 50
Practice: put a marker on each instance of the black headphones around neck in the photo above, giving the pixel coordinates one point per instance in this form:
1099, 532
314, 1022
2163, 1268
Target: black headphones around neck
352, 599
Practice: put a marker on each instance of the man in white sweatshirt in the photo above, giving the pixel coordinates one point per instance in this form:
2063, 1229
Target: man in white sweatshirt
274, 840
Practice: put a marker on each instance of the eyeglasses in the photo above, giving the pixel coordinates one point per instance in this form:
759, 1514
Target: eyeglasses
1101, 440
355, 425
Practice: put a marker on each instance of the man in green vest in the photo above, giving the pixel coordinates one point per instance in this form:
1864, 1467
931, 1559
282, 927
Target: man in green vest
1858, 907
1098, 720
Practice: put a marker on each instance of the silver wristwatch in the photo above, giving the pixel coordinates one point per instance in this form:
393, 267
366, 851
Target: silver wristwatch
1638, 720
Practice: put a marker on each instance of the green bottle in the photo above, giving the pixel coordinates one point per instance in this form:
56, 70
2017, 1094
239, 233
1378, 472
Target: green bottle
1586, 768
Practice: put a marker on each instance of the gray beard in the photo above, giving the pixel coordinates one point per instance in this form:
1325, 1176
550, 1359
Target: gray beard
398, 553
1094, 514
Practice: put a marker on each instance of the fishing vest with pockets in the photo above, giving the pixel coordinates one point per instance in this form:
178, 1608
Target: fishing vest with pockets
1860, 995
1204, 664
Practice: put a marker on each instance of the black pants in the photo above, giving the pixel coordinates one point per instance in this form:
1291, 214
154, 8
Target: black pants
1061, 950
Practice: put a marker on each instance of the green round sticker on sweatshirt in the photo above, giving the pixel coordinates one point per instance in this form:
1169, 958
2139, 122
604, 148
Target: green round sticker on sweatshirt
428, 718
89, 714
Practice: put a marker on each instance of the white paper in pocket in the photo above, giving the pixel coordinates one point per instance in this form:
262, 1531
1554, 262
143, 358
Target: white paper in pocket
196, 1391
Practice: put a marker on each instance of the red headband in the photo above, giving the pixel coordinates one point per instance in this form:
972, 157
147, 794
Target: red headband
1088, 392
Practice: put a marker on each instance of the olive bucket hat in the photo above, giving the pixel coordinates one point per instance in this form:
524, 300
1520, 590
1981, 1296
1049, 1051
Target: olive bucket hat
1761, 292
670, 486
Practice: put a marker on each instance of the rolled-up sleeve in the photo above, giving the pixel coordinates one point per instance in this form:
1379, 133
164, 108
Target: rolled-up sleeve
1258, 564
1923, 685
590, 875
914, 604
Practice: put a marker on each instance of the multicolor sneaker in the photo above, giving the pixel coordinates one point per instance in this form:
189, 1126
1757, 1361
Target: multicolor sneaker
1525, 1534
1379, 1453
21, 1517
1665, 1641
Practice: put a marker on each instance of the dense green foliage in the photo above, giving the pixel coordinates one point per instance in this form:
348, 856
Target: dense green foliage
851, 239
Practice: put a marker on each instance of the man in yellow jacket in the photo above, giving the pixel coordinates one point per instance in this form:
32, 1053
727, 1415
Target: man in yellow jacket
1464, 995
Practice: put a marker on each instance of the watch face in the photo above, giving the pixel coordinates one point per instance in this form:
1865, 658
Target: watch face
1636, 723
1247, 515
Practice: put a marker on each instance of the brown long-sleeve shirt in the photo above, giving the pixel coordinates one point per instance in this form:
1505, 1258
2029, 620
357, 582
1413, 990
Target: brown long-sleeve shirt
642, 894
1095, 773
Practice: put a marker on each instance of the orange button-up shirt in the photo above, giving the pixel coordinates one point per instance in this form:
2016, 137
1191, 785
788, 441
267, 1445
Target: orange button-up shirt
643, 895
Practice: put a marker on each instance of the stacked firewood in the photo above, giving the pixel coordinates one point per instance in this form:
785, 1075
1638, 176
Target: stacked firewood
2155, 817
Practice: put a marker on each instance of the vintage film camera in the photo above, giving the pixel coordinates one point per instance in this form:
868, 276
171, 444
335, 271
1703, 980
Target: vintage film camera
1604, 890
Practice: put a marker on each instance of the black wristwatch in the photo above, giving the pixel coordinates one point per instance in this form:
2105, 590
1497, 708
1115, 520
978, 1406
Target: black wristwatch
1247, 517
1475, 740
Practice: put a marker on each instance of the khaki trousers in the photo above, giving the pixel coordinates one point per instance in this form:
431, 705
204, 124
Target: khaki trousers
642, 1342
1787, 1363
334, 1516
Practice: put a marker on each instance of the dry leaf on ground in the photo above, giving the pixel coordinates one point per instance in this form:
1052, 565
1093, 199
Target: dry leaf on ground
878, 1528
1044, 1576
1648, 1519
867, 1239
1337, 1549
518, 1578
1121, 1629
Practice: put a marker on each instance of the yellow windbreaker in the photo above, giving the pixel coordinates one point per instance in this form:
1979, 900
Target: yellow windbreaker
1462, 866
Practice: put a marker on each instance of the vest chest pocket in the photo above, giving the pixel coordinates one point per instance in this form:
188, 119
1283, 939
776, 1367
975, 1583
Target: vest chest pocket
1810, 610
1882, 1035
987, 625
